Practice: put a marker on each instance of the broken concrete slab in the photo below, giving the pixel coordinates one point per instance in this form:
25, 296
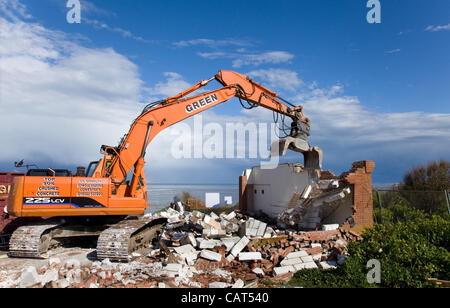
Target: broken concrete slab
238, 247
258, 271
29, 277
72, 263
209, 244
292, 261
54, 261
278, 271
213, 232
328, 184
249, 256
212, 222
62, 283
49, 276
309, 265
214, 215
296, 254
327, 265
211, 255
187, 253
118, 276
253, 228
307, 259
230, 216
238, 284
218, 285
174, 267
229, 242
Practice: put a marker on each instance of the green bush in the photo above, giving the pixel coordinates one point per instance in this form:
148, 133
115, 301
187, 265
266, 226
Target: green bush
400, 212
409, 253
435, 176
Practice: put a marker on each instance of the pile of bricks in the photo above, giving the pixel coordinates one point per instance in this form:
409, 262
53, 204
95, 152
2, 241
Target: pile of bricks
244, 249
200, 250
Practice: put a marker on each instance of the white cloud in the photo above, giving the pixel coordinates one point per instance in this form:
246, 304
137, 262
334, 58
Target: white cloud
212, 43
174, 84
393, 51
433, 28
12, 8
61, 101
241, 59
99, 25
272, 57
90, 8
342, 120
279, 78
240, 56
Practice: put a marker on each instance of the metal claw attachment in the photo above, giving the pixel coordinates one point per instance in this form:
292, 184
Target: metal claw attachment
298, 142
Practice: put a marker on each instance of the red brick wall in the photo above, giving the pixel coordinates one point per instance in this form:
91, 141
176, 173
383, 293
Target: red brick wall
360, 176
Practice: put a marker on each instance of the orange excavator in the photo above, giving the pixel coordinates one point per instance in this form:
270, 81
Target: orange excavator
109, 200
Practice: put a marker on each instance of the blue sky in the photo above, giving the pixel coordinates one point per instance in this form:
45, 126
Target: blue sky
372, 91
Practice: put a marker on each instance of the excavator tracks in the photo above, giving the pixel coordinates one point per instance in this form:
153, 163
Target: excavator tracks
118, 242
33, 241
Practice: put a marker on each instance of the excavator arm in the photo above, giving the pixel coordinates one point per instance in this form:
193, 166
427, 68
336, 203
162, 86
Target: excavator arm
129, 155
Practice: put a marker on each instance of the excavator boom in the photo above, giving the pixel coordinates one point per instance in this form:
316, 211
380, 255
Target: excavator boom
158, 116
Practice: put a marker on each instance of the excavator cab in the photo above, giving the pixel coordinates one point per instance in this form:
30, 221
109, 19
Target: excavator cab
91, 168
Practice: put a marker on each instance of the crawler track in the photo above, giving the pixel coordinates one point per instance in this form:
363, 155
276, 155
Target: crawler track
33, 241
118, 242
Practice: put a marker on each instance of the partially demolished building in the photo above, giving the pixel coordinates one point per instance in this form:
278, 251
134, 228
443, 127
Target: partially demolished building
305, 197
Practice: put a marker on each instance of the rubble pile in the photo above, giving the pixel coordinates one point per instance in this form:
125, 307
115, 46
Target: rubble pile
318, 200
201, 250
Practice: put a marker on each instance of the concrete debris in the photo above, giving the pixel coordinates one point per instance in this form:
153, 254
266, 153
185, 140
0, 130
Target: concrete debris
29, 277
316, 204
249, 256
258, 271
253, 228
54, 261
223, 257
189, 239
237, 248
208, 244
327, 265
239, 284
218, 285
211, 255
278, 271
72, 263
